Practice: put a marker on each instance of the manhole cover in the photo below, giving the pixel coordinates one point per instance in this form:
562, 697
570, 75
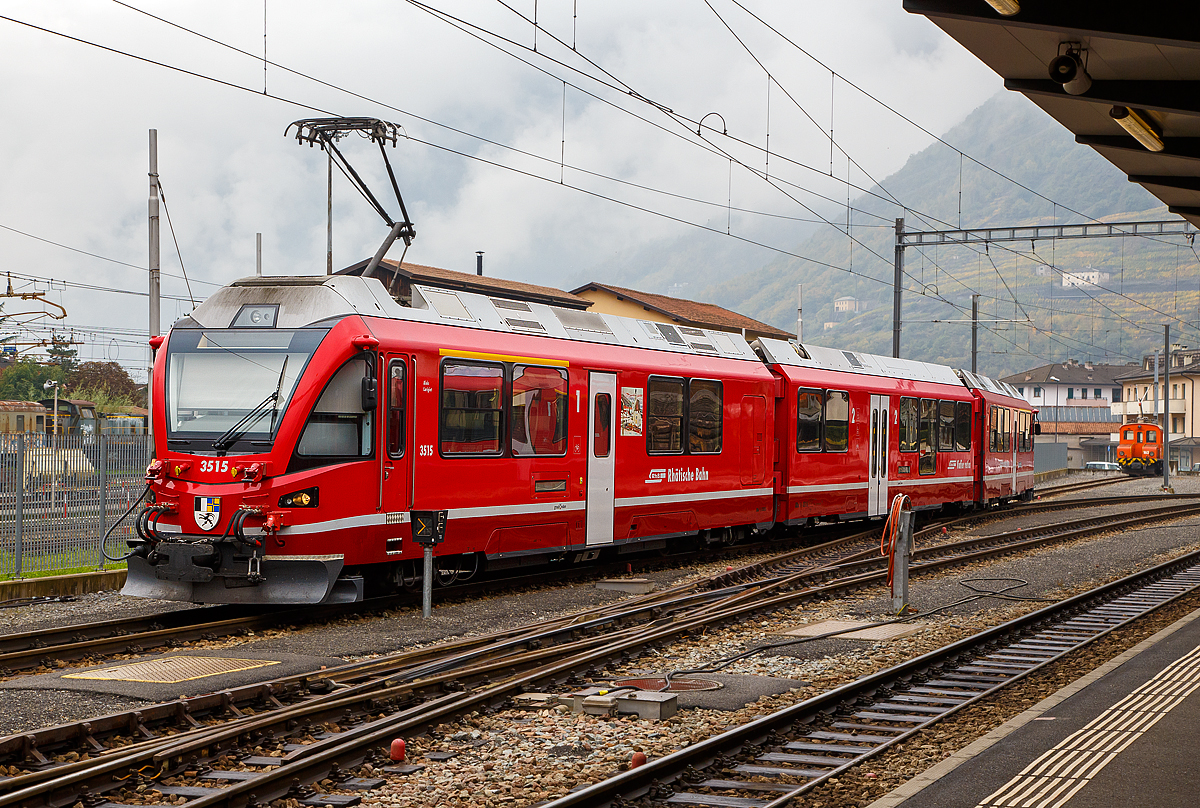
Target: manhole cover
658, 684
170, 670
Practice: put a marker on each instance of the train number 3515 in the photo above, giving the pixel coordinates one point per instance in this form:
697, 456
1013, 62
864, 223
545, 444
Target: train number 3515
214, 465
427, 450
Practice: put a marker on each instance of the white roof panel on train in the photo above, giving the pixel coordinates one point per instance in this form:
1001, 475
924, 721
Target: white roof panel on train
305, 300
977, 381
794, 354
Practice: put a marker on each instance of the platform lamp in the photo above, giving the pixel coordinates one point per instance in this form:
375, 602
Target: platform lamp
53, 383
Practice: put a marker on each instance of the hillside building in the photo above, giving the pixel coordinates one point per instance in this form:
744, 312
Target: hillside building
604, 298
608, 299
1143, 400
1073, 400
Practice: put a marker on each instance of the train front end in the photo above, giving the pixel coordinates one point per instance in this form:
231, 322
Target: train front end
264, 404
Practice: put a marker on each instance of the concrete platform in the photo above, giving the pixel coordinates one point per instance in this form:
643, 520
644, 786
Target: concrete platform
1126, 734
229, 667
736, 691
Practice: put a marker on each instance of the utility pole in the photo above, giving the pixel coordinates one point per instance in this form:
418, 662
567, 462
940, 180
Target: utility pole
974, 333
1167, 406
896, 289
155, 282
329, 215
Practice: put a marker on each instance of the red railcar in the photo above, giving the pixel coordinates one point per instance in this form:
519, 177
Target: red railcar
1005, 437
274, 428
300, 421
855, 429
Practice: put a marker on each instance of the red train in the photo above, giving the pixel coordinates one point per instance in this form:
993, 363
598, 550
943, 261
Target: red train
299, 422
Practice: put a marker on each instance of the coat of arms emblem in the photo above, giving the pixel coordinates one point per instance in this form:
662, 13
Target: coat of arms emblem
208, 512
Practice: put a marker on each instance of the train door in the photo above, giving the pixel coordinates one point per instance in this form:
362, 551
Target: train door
877, 480
395, 457
602, 457
754, 419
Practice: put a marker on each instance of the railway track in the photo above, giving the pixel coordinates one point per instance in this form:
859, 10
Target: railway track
93, 641
1085, 485
767, 763
341, 716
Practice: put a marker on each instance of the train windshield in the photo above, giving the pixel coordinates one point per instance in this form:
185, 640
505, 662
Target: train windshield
233, 385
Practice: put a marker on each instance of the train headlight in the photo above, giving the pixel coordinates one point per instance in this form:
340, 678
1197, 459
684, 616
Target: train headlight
256, 316
307, 498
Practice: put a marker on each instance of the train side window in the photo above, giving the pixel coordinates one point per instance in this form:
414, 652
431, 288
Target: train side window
927, 437
338, 426
908, 425
539, 411
20, 423
664, 415
962, 426
705, 416
946, 426
1007, 434
809, 405
602, 436
993, 429
397, 405
837, 421
1151, 436
1129, 434
472, 408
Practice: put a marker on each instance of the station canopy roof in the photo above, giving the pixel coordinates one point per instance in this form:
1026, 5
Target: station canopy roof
1144, 57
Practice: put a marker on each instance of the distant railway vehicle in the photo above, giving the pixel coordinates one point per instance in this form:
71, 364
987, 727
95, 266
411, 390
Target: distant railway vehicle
124, 421
75, 417
1140, 450
22, 416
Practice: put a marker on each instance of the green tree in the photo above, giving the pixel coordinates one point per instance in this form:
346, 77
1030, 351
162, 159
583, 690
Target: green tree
25, 380
62, 354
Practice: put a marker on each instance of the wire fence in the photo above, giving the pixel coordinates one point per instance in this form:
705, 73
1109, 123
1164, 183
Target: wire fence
60, 494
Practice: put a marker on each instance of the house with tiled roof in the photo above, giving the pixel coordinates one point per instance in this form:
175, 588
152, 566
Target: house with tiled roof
399, 279
1073, 400
608, 299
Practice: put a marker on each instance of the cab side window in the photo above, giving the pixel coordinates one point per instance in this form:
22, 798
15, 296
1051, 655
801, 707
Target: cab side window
338, 426
397, 399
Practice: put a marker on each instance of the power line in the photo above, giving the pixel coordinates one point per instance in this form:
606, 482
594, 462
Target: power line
90, 254
489, 141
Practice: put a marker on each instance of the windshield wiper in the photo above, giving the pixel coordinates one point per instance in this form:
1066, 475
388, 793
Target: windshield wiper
236, 431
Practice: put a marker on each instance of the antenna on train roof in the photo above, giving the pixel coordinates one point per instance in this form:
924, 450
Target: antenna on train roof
325, 132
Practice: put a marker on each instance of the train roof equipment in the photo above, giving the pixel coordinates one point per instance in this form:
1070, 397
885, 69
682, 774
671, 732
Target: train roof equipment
309, 301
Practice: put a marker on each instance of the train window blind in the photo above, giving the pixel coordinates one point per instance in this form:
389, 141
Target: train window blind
472, 408
664, 415
908, 424
946, 426
539, 411
927, 437
837, 421
338, 426
809, 406
705, 416
962, 426
397, 395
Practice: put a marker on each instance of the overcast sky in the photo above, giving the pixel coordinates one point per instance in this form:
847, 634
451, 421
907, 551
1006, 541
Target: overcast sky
74, 143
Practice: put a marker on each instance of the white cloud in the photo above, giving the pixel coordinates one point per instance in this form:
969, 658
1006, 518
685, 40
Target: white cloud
74, 144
